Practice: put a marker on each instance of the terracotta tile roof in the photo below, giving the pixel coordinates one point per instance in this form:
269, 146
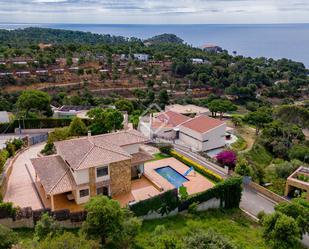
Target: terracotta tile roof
140, 157
169, 119
92, 151
202, 123
54, 174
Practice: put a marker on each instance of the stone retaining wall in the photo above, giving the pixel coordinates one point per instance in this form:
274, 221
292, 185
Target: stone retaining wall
271, 195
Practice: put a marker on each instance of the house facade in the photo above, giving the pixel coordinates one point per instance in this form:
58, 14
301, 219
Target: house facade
200, 133
89, 166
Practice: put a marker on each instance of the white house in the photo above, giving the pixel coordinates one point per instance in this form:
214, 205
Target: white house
141, 57
202, 133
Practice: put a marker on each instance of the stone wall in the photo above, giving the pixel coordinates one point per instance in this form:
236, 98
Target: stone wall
120, 177
92, 182
271, 195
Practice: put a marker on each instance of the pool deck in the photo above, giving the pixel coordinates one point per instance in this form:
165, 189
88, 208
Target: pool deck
197, 183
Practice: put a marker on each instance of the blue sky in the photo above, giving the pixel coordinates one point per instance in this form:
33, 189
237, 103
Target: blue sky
154, 11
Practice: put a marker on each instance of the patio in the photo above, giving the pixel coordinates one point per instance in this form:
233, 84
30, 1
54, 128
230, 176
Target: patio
60, 200
141, 189
196, 182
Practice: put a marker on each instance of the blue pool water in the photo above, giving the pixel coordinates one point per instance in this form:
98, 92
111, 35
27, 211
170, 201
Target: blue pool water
172, 176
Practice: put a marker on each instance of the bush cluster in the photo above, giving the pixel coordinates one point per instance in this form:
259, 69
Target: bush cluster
228, 191
163, 203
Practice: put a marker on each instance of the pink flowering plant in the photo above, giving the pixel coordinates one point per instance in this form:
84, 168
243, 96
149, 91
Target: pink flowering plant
227, 157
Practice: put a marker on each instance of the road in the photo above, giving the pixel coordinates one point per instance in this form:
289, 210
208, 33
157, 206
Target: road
251, 202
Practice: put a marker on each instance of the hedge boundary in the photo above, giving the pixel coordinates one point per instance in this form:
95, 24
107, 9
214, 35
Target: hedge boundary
37, 123
228, 191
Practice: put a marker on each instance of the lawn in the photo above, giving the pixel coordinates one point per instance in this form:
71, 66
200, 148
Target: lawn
232, 224
159, 156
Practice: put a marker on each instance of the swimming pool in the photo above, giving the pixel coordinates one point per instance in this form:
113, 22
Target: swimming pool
171, 175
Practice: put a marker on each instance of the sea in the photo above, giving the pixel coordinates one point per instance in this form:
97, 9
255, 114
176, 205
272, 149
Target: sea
255, 40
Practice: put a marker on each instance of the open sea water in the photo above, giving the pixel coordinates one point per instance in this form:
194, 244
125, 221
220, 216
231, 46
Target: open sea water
268, 40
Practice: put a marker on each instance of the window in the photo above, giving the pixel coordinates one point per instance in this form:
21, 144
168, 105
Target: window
83, 192
102, 171
102, 191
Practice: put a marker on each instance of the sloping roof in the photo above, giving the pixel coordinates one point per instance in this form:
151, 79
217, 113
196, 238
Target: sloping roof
54, 174
202, 123
170, 118
92, 151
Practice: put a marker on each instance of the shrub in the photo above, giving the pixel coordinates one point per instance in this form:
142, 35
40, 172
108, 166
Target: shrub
4, 155
281, 231
77, 127
199, 168
299, 152
163, 203
242, 168
192, 209
68, 241
183, 193
46, 226
48, 149
7, 210
166, 148
7, 237
210, 239
228, 191
227, 158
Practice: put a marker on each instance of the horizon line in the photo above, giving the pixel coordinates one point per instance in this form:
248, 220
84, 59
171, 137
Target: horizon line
175, 24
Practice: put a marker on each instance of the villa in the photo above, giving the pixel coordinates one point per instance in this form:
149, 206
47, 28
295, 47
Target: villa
85, 167
200, 133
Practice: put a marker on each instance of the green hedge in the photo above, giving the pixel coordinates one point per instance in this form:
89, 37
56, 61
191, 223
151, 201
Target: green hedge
38, 123
7, 210
228, 191
163, 204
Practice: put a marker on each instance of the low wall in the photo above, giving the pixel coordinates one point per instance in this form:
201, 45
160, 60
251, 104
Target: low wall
26, 217
271, 195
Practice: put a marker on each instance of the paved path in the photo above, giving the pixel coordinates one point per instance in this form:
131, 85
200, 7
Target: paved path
20, 189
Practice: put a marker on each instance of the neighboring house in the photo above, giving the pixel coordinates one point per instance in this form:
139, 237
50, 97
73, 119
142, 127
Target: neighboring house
89, 166
141, 57
201, 133
197, 61
69, 111
4, 117
211, 48
188, 109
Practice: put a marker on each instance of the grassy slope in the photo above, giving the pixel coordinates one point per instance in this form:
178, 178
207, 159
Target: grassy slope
232, 224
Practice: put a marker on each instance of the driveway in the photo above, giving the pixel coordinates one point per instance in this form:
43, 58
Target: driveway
20, 188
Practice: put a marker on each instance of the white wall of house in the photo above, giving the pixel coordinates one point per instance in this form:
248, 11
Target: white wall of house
81, 176
212, 139
144, 128
167, 133
131, 148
